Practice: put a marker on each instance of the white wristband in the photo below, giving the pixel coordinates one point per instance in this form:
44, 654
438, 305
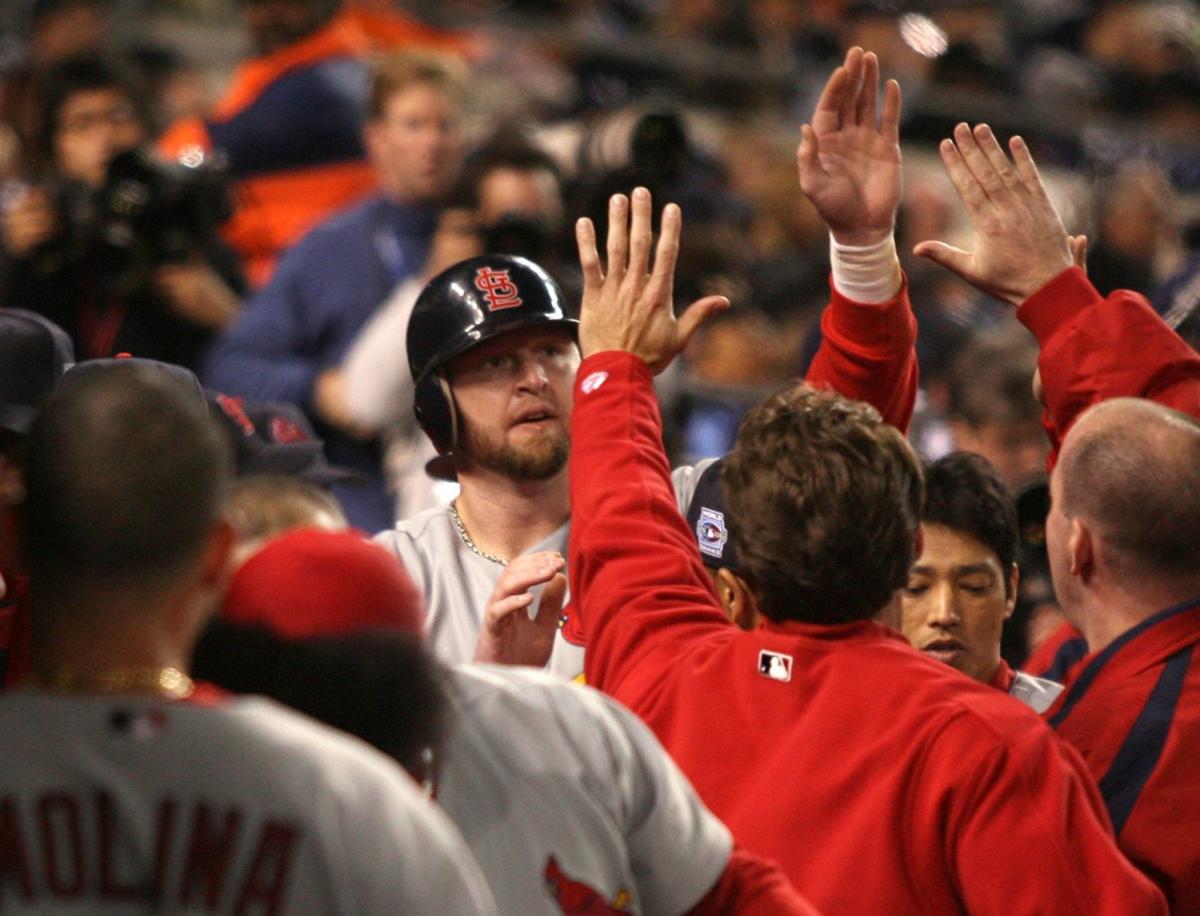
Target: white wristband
865, 273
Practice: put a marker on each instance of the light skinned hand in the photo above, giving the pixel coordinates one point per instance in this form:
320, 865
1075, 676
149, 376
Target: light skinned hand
509, 636
196, 292
626, 306
329, 403
1019, 240
27, 222
849, 158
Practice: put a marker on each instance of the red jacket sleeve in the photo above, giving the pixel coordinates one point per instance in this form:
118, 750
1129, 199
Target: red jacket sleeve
1094, 348
634, 569
868, 353
751, 886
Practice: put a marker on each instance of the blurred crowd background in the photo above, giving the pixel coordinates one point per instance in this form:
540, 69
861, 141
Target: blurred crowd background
701, 101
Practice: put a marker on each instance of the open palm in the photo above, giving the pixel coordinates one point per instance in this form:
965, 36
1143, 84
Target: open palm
849, 158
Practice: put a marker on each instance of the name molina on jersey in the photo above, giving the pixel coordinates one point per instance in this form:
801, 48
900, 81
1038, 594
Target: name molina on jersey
63, 845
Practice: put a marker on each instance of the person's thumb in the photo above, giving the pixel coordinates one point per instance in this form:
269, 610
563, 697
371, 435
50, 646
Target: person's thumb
696, 314
953, 259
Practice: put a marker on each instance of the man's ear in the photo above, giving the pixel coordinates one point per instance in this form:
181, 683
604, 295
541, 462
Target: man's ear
737, 598
1014, 582
1081, 549
217, 559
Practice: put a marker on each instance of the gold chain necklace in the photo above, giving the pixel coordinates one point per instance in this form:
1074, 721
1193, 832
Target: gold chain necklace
466, 538
170, 682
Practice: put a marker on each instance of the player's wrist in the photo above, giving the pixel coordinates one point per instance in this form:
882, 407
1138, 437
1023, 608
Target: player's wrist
868, 272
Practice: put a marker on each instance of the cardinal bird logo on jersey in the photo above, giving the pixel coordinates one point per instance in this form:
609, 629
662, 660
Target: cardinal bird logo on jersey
575, 898
497, 288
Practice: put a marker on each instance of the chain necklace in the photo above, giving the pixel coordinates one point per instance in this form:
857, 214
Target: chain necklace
170, 682
466, 538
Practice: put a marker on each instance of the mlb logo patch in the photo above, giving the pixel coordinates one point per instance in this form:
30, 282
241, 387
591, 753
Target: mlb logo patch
775, 665
711, 533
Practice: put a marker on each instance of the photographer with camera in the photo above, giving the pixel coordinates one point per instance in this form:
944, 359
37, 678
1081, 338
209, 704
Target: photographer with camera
118, 248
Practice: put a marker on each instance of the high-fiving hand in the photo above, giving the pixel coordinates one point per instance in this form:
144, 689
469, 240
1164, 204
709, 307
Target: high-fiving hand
849, 158
1020, 243
627, 306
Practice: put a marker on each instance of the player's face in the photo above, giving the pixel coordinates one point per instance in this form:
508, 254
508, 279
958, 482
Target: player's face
414, 144
954, 605
514, 396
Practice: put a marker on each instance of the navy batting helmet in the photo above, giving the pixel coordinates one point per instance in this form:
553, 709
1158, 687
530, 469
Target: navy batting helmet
473, 301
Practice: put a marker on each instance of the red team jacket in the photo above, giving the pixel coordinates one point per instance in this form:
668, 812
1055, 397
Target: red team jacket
1133, 709
882, 781
1094, 348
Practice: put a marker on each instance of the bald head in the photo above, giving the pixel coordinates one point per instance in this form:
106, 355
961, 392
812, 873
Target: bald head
1131, 469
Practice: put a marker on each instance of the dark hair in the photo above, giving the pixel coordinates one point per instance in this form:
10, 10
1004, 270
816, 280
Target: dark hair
380, 686
125, 475
508, 150
964, 492
828, 500
991, 379
81, 73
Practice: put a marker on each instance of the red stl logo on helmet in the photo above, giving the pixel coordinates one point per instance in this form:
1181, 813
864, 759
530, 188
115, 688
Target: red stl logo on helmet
498, 288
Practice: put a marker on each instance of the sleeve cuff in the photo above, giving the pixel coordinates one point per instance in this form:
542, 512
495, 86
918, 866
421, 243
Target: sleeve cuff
1057, 303
618, 365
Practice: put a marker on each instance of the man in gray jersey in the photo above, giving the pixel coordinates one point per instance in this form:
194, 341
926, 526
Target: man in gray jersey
567, 801
124, 786
493, 358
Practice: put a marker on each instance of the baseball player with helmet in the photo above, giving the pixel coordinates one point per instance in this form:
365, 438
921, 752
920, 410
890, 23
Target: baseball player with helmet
493, 356
125, 786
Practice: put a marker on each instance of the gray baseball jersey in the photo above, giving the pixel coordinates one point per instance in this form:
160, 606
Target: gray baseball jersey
457, 582
113, 804
567, 800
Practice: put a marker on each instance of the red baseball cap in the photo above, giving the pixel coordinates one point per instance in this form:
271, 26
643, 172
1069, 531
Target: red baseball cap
311, 582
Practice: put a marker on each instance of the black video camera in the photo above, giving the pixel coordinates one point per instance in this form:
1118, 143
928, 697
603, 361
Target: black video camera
147, 213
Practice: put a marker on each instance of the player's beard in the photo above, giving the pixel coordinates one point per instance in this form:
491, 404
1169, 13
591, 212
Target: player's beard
539, 457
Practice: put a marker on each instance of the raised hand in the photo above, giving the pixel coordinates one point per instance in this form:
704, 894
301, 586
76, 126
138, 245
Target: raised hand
1020, 243
508, 635
627, 307
849, 158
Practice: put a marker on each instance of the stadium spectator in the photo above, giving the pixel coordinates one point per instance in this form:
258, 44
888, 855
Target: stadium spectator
121, 252
943, 811
992, 409
125, 475
290, 123
521, 399
294, 332
963, 586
